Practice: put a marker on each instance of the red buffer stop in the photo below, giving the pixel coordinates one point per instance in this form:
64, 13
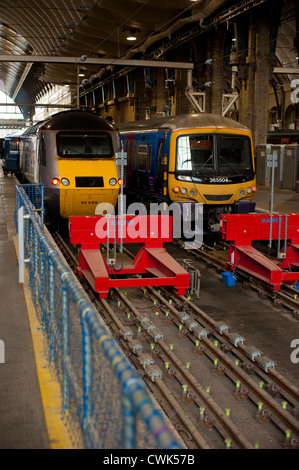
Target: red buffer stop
152, 266
242, 229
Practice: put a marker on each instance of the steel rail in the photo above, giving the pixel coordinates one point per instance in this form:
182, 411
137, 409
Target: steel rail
287, 300
165, 391
273, 406
284, 415
288, 387
201, 442
210, 403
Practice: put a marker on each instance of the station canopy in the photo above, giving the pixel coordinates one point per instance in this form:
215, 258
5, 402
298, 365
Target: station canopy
92, 29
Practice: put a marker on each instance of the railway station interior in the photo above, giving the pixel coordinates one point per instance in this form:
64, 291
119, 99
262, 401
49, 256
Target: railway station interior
133, 344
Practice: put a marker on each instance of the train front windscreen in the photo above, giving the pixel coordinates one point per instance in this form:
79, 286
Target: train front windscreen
213, 154
71, 144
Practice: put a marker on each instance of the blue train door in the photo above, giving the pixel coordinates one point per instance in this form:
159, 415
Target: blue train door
11, 155
129, 148
160, 168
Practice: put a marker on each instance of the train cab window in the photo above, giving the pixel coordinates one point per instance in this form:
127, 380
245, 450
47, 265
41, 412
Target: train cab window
142, 157
234, 152
195, 152
13, 145
213, 153
87, 144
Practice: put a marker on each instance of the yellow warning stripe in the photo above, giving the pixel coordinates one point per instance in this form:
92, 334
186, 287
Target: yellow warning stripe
59, 437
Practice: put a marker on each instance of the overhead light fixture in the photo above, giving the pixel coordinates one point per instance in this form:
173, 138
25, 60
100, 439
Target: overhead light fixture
131, 38
131, 35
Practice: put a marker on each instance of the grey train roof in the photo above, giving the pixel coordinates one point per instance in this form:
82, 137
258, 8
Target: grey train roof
183, 121
72, 120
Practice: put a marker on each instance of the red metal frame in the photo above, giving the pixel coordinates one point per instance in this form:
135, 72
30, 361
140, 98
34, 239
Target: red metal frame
243, 229
151, 260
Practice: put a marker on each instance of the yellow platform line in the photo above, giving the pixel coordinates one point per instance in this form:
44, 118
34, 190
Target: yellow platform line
56, 423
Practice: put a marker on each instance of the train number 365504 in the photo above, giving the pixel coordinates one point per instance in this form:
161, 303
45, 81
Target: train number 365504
218, 180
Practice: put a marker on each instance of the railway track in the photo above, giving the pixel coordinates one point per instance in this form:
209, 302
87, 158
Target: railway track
217, 391
287, 296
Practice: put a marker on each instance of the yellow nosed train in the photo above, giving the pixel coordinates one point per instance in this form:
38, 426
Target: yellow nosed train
192, 158
73, 154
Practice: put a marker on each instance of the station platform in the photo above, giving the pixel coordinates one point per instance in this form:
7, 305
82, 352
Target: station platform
22, 422
284, 201
22, 410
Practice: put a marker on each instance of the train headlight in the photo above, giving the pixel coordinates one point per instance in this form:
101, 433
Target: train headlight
253, 188
176, 189
249, 190
184, 178
112, 181
120, 182
65, 181
192, 192
183, 190
55, 181
242, 192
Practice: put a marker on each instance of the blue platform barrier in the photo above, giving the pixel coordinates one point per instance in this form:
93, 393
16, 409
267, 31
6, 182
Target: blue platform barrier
102, 394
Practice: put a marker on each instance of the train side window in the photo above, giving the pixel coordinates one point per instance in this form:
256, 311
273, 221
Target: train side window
142, 157
130, 155
149, 163
42, 150
160, 158
135, 157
